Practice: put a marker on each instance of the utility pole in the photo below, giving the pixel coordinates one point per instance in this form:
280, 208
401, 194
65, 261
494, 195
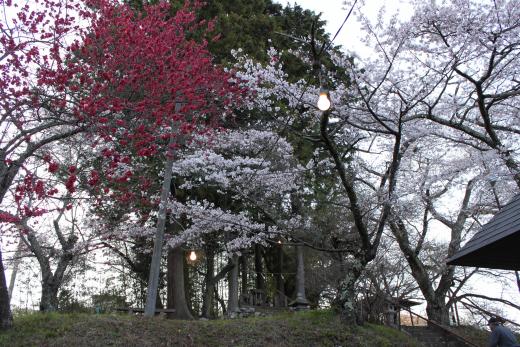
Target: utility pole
155, 267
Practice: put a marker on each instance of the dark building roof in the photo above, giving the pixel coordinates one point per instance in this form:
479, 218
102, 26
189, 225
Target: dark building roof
497, 244
403, 302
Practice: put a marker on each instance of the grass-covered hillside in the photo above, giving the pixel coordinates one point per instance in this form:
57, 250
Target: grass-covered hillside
314, 328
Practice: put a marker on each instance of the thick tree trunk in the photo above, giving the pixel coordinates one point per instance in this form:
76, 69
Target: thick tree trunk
437, 310
347, 296
233, 287
6, 319
207, 299
176, 294
49, 297
436, 307
260, 283
211, 281
51, 282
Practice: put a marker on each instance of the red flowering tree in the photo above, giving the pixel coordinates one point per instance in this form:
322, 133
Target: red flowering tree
150, 86
146, 87
33, 114
133, 84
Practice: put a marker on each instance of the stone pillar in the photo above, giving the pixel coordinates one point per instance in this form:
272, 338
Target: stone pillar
301, 302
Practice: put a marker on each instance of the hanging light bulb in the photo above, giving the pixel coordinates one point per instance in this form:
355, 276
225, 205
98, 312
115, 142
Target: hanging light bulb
193, 256
323, 100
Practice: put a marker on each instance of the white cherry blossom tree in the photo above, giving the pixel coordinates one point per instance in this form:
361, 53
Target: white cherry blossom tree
444, 82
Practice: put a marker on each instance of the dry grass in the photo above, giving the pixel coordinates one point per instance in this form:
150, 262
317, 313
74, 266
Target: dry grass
314, 328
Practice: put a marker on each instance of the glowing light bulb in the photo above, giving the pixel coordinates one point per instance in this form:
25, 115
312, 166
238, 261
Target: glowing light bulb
193, 256
323, 101
279, 242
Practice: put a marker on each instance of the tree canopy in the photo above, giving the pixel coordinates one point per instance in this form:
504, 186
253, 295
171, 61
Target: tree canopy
122, 121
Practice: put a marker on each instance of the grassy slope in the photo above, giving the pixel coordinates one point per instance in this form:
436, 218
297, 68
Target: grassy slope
289, 329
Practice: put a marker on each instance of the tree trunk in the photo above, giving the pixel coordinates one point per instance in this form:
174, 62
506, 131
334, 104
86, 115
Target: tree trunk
260, 283
437, 310
16, 264
51, 282
188, 287
436, 307
211, 281
279, 296
233, 287
6, 319
207, 300
176, 294
49, 297
279, 268
158, 301
347, 298
243, 270
220, 301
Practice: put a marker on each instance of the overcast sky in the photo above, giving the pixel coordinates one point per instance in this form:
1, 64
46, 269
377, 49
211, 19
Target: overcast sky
334, 12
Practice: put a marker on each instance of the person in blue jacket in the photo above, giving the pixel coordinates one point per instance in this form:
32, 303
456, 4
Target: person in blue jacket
500, 335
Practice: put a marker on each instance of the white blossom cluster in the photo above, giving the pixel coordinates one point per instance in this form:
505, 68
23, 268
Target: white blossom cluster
255, 168
239, 230
249, 163
269, 84
122, 231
